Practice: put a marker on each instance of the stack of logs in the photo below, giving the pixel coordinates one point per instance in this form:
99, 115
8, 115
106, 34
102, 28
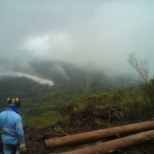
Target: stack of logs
126, 136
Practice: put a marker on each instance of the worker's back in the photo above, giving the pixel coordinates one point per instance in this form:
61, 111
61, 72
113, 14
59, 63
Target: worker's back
10, 122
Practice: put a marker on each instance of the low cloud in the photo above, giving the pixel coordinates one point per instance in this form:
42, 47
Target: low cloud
101, 33
35, 78
47, 46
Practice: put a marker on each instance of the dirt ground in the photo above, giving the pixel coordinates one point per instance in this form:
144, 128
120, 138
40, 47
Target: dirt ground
35, 143
79, 124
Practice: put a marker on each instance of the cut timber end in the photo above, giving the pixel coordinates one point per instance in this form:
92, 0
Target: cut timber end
97, 135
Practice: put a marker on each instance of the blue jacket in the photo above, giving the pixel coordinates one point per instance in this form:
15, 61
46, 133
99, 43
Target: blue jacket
12, 128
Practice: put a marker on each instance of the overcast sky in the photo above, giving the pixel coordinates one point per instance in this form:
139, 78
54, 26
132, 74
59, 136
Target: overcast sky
101, 33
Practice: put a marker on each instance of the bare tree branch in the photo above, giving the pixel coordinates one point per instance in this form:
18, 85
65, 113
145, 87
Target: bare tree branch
141, 66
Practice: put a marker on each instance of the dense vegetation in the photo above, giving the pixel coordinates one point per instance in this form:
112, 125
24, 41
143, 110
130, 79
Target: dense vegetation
37, 99
43, 105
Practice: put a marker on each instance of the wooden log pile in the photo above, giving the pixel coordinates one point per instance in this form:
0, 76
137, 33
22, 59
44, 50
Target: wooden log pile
134, 134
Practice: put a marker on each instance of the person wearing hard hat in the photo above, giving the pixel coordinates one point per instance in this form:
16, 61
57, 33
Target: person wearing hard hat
12, 129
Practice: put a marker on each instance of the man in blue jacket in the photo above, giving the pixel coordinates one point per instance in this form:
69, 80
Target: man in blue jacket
12, 129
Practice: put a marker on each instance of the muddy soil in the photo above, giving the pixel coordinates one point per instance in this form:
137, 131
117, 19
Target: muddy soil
35, 142
101, 118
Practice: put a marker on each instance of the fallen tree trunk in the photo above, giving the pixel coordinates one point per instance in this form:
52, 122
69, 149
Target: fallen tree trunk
97, 135
114, 145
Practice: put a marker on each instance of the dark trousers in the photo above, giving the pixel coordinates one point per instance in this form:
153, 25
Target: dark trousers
10, 149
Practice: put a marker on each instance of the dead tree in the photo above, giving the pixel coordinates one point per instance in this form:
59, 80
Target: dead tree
88, 75
141, 66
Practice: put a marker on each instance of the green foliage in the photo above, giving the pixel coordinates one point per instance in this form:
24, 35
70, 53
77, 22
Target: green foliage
137, 102
148, 90
43, 105
44, 120
97, 122
58, 129
131, 98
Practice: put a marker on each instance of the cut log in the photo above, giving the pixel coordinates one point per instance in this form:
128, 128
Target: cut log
97, 135
114, 145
